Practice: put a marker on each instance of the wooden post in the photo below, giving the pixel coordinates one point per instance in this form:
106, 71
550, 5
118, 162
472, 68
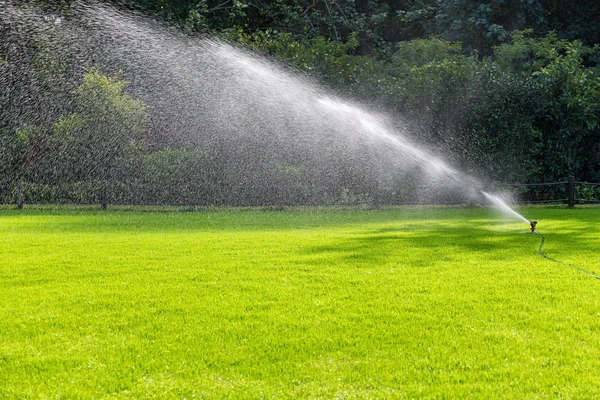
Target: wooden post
375, 204
571, 190
103, 196
19, 195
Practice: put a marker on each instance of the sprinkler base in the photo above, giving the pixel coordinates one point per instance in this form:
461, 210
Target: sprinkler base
533, 225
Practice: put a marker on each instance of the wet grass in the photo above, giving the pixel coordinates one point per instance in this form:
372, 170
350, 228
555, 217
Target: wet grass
429, 303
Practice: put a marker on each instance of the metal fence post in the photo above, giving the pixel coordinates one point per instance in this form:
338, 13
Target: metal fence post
571, 190
19, 195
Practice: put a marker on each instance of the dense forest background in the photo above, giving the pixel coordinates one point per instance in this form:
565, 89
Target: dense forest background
509, 89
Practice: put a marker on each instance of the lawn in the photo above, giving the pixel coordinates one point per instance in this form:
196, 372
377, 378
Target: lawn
411, 302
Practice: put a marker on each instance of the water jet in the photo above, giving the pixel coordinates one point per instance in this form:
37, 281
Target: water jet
263, 123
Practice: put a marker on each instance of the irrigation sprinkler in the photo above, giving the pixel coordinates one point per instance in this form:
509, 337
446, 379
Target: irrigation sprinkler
533, 225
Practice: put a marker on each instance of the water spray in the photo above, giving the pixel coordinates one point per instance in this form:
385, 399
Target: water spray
242, 85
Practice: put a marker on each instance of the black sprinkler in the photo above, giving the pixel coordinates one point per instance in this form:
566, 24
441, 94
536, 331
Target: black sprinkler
533, 225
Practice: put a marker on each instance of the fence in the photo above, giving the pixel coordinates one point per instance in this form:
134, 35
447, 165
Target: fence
572, 191
100, 193
569, 192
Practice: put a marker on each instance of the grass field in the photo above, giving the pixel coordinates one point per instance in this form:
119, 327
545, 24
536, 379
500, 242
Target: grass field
427, 303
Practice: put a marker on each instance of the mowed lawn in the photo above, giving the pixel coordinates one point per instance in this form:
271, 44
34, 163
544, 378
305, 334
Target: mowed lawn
403, 303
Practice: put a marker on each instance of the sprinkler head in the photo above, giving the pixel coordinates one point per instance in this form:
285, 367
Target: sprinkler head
533, 225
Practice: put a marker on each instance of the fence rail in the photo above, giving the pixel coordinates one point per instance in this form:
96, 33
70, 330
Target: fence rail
575, 194
534, 184
544, 201
120, 193
587, 183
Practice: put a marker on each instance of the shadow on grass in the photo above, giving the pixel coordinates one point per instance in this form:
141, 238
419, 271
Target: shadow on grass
455, 240
421, 248
357, 237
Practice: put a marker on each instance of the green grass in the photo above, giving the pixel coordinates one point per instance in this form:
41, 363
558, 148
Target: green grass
428, 303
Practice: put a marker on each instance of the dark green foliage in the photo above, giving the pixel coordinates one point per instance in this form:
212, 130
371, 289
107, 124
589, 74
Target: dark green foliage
175, 176
104, 132
479, 25
567, 104
502, 103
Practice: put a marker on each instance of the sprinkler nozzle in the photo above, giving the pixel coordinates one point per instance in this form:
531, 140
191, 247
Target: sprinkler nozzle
533, 225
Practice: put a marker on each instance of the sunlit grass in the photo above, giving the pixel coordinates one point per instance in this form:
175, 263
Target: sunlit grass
411, 302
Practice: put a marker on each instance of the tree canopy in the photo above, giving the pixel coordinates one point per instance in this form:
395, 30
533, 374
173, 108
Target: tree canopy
509, 88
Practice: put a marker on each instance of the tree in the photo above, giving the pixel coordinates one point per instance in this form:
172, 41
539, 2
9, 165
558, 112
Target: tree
567, 112
99, 139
